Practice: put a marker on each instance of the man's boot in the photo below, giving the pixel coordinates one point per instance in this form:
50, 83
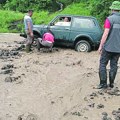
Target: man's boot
103, 80
28, 48
112, 76
38, 45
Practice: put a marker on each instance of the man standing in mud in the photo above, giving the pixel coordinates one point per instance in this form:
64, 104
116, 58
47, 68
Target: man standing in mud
29, 30
110, 47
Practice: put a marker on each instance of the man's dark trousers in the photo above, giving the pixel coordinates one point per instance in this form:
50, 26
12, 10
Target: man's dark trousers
105, 58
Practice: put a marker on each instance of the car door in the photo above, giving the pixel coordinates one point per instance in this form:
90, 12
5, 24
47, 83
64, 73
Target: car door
84, 26
61, 31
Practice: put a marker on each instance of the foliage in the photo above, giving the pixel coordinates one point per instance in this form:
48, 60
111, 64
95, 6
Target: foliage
45, 10
6, 18
100, 9
24, 5
42, 17
36, 5
77, 8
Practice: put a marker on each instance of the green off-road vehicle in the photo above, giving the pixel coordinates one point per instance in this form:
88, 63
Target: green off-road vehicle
80, 32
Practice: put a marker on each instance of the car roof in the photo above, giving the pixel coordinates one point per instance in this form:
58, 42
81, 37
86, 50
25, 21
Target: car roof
71, 15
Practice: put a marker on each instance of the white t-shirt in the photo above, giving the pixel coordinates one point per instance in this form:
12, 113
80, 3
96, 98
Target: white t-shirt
27, 18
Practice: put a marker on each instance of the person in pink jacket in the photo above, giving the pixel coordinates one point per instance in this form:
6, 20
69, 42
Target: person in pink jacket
46, 41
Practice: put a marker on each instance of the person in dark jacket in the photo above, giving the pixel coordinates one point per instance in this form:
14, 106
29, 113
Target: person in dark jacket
109, 47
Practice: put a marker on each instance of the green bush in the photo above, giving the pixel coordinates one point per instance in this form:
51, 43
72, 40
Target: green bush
100, 9
96, 8
7, 17
77, 8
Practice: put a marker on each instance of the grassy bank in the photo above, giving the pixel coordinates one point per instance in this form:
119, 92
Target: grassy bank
39, 17
6, 17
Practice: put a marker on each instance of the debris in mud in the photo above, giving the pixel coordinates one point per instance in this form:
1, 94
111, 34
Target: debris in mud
114, 91
20, 42
48, 50
105, 116
75, 63
91, 105
55, 49
12, 79
65, 113
8, 66
76, 113
27, 116
94, 94
5, 54
116, 114
19, 48
100, 106
88, 74
9, 71
8, 79
101, 92
52, 102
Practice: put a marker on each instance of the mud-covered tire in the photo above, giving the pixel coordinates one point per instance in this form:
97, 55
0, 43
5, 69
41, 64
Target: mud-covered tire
83, 46
35, 40
36, 37
38, 44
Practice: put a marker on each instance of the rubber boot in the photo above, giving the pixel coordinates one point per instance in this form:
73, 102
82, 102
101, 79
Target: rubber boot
51, 48
103, 80
28, 48
38, 45
112, 76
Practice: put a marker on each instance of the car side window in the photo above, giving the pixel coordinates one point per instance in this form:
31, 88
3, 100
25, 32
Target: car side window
83, 23
63, 21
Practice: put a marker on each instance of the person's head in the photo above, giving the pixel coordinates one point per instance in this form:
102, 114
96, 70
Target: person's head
30, 12
66, 19
115, 6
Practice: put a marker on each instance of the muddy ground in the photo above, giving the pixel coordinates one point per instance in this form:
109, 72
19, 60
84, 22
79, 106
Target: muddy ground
53, 86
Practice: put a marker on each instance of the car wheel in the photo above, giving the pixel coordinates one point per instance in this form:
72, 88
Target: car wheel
36, 37
35, 40
38, 44
83, 46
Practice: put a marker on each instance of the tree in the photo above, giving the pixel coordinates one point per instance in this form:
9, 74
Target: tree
100, 9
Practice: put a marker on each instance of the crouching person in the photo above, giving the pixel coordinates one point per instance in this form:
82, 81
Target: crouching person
46, 41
